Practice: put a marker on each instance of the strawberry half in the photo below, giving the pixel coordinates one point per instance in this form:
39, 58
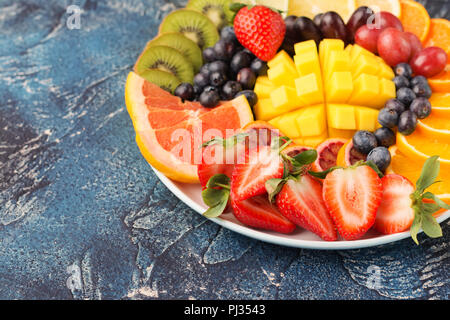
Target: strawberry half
300, 200
254, 168
352, 196
258, 212
395, 213
261, 30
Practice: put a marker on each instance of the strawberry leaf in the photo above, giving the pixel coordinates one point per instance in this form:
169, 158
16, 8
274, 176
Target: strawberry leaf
439, 202
323, 174
430, 171
431, 227
273, 187
236, 6
375, 168
416, 225
216, 195
304, 158
217, 210
212, 197
219, 180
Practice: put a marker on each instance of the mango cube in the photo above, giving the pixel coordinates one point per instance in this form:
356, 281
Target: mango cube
339, 87
336, 61
287, 123
315, 140
365, 64
264, 110
341, 116
365, 89
308, 62
309, 89
281, 74
305, 46
312, 121
328, 45
387, 91
284, 98
357, 50
263, 87
385, 70
340, 133
366, 118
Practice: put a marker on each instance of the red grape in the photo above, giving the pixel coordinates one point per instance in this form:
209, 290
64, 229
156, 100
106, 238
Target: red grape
429, 62
357, 20
393, 46
367, 38
382, 20
414, 42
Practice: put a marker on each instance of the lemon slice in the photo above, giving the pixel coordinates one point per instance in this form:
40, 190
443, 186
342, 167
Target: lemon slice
310, 8
392, 6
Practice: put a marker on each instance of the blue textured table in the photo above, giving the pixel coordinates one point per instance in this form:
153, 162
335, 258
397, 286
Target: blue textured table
83, 216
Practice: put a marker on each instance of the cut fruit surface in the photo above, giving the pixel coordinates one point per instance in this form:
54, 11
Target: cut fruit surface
348, 155
172, 146
435, 126
441, 82
438, 34
327, 153
311, 8
392, 6
415, 18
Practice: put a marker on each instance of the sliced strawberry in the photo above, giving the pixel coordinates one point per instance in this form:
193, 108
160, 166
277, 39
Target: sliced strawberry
217, 159
258, 212
352, 196
254, 168
301, 202
395, 213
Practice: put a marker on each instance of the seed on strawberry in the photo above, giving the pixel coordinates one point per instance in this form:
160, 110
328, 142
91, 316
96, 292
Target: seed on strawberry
261, 30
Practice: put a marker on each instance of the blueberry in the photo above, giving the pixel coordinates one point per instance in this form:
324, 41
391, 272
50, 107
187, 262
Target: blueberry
395, 105
403, 69
197, 91
209, 55
418, 79
231, 89
407, 122
239, 61
201, 80
247, 78
259, 67
388, 118
251, 96
217, 79
250, 53
185, 91
218, 66
224, 50
209, 98
405, 96
205, 69
422, 89
401, 82
228, 34
385, 137
421, 107
381, 157
364, 141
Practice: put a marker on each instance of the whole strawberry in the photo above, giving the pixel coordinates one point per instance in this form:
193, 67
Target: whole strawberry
261, 30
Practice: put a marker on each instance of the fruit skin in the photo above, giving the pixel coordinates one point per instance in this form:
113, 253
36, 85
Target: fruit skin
401, 82
230, 90
429, 62
364, 141
407, 122
381, 157
384, 19
405, 96
359, 18
254, 168
210, 97
257, 212
421, 107
367, 38
352, 197
209, 55
422, 89
333, 27
414, 41
185, 91
327, 153
393, 46
396, 105
385, 137
239, 61
388, 117
307, 30
395, 213
247, 78
259, 67
251, 96
264, 40
301, 202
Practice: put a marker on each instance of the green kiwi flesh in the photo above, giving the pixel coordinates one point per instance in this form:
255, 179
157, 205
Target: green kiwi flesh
186, 46
165, 59
193, 25
165, 80
218, 11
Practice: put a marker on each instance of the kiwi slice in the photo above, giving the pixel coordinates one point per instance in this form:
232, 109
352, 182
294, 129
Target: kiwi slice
165, 59
186, 46
218, 11
165, 80
193, 25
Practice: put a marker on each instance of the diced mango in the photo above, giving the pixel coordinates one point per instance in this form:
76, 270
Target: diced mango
339, 87
340, 133
365, 89
387, 91
366, 118
284, 98
385, 70
263, 87
309, 89
264, 110
281, 74
314, 141
348, 49
312, 121
287, 123
305, 46
337, 61
328, 45
365, 64
341, 116
307, 62
357, 50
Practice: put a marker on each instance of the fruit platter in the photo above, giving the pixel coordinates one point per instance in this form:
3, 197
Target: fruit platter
315, 124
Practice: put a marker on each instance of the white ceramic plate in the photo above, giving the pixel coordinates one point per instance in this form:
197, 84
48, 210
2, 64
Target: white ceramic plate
190, 194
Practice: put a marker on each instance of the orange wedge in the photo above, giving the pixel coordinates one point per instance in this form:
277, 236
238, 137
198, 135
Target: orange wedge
441, 82
403, 165
415, 18
439, 34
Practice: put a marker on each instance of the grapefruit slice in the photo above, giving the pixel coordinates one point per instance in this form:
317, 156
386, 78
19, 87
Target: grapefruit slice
327, 153
169, 132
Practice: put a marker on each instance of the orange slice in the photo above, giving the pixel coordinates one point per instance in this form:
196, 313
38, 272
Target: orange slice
439, 34
435, 127
169, 132
415, 18
419, 147
441, 82
440, 103
392, 6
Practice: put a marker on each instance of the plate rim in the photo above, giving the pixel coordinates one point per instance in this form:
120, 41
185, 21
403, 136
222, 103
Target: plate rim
294, 243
